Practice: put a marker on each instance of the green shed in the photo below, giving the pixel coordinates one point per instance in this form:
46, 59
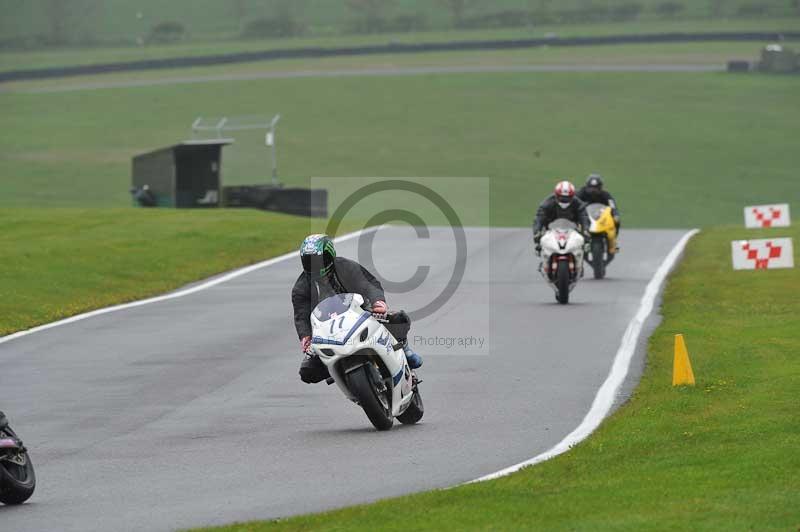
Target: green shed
183, 175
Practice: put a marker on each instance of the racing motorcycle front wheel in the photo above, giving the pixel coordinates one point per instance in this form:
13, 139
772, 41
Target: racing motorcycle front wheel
373, 395
17, 478
562, 282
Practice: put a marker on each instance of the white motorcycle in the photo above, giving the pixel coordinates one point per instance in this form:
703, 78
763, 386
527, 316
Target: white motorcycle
562, 257
365, 361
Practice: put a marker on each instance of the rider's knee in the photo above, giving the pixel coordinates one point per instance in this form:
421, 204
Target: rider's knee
307, 376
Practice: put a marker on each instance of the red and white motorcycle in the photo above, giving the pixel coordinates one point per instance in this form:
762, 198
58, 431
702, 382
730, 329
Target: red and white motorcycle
562, 257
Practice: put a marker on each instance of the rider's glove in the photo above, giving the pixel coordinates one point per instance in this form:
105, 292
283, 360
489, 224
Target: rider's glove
305, 344
380, 308
537, 236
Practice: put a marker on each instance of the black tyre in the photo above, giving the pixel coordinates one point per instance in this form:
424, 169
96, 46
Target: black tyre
414, 411
562, 282
373, 397
598, 257
17, 478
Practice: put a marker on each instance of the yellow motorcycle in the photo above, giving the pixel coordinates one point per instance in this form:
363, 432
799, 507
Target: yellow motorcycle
603, 246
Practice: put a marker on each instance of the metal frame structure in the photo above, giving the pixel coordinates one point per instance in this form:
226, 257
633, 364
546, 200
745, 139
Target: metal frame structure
238, 123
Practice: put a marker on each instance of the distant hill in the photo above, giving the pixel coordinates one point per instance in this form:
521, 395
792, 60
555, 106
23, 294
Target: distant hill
36, 23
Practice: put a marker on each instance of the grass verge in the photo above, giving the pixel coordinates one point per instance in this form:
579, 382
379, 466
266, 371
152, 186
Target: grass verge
62, 262
655, 137
722, 455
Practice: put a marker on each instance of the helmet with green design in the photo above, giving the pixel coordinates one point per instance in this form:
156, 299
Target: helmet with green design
317, 254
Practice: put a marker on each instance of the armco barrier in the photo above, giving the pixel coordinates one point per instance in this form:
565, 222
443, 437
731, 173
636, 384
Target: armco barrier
392, 48
298, 201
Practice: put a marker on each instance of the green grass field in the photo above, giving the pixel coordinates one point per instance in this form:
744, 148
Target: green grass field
61, 262
678, 149
53, 57
722, 455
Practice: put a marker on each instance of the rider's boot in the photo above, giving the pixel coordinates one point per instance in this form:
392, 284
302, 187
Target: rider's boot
414, 360
312, 370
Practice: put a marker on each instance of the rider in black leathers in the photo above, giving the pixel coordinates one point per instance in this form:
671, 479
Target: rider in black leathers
324, 274
561, 204
346, 276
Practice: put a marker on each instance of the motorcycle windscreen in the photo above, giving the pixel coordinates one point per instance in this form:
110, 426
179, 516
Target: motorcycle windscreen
595, 210
333, 306
563, 224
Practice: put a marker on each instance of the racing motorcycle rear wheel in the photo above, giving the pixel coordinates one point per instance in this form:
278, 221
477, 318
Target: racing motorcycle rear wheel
598, 257
562, 282
373, 396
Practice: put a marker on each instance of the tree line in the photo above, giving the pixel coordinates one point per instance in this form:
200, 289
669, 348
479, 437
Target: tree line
74, 21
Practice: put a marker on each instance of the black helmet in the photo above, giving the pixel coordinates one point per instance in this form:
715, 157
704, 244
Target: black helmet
594, 181
317, 254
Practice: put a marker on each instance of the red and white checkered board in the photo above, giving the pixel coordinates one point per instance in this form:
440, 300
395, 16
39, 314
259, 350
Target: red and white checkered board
758, 216
764, 254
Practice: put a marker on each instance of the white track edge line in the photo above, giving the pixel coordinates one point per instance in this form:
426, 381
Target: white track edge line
604, 399
173, 295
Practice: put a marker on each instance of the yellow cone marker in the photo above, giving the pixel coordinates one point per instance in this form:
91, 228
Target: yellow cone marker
681, 367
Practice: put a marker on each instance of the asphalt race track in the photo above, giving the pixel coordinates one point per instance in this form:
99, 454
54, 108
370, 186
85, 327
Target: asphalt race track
189, 412
365, 72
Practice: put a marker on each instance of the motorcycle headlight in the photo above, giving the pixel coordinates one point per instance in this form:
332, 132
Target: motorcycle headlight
364, 334
327, 352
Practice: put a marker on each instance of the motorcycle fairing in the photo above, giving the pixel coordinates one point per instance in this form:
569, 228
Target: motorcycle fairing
337, 338
603, 224
341, 349
562, 242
